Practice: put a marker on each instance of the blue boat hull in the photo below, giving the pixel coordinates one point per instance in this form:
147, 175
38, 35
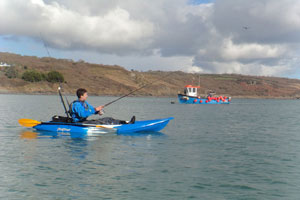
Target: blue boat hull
183, 99
92, 129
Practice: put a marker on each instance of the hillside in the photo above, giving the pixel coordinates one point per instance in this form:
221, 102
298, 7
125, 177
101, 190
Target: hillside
115, 80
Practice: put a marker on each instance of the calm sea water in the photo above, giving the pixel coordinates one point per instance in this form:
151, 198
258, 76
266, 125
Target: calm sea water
249, 149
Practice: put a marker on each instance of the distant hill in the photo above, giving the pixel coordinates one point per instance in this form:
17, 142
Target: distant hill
115, 80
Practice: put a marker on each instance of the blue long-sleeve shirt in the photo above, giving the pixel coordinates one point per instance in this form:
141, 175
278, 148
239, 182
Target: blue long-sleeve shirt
81, 111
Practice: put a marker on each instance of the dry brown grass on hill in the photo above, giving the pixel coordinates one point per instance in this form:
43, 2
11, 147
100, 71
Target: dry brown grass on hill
114, 80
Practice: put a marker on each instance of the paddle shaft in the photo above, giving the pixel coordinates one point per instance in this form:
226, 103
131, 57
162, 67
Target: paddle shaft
32, 123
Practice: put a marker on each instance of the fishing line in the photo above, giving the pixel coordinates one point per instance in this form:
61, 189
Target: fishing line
109, 103
140, 88
60, 87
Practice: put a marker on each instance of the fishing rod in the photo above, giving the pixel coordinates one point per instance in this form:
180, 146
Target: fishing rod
124, 96
111, 101
63, 102
65, 95
59, 88
137, 89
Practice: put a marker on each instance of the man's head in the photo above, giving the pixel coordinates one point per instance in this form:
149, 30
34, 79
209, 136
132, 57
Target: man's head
82, 94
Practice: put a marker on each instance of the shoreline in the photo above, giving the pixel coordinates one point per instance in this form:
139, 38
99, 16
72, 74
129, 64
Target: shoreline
112, 80
140, 96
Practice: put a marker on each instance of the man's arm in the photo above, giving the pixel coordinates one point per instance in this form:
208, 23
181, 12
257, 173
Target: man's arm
82, 112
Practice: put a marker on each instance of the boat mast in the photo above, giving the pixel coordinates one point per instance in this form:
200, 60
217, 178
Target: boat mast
199, 85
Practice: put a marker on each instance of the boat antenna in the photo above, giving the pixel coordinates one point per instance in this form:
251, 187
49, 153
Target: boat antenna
59, 87
151, 83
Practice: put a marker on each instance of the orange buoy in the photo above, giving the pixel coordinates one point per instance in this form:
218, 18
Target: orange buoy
200, 101
195, 100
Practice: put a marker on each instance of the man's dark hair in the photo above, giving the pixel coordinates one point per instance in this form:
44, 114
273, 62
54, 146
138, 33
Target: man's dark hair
80, 92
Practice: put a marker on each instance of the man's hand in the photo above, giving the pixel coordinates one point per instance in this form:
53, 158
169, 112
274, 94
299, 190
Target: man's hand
101, 112
99, 108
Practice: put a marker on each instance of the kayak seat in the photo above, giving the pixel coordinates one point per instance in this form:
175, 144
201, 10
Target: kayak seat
132, 121
109, 121
57, 118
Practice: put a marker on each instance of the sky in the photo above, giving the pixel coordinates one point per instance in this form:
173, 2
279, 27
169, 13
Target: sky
257, 37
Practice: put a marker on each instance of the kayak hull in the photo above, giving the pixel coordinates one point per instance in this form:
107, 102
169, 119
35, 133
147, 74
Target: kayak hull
91, 129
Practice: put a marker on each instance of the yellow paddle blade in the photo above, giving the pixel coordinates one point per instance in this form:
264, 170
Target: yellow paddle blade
28, 122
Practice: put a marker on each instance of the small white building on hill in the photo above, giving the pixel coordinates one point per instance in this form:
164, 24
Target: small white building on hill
4, 64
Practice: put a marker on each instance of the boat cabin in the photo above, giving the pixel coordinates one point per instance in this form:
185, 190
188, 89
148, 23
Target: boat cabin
190, 90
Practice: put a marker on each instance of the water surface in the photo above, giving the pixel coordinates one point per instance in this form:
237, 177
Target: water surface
249, 149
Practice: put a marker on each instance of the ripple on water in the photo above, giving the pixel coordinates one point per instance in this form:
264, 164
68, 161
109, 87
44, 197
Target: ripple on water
247, 150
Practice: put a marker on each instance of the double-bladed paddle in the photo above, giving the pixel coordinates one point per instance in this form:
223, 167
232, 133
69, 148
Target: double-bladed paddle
28, 122
31, 123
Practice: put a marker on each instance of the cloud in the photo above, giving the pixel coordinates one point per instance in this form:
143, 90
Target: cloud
265, 46
248, 51
235, 67
115, 31
203, 36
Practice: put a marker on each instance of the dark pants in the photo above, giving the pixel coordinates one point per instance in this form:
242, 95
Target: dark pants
105, 120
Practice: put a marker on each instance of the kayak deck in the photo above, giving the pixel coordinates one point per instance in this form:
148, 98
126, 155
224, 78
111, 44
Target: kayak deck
89, 129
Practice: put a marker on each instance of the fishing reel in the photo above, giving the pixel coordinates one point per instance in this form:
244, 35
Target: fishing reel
101, 112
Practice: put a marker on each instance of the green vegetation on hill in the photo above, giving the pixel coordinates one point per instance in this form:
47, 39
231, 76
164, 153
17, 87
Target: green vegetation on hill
55, 77
32, 76
29, 74
11, 72
35, 76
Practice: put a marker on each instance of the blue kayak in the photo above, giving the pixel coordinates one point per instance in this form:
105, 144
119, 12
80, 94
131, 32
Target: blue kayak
154, 125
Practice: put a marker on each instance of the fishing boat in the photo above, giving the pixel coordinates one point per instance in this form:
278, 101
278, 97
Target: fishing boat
190, 96
154, 125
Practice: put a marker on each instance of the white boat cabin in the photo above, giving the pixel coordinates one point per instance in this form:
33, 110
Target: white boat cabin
190, 90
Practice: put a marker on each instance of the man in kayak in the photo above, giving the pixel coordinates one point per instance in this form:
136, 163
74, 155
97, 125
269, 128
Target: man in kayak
80, 110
